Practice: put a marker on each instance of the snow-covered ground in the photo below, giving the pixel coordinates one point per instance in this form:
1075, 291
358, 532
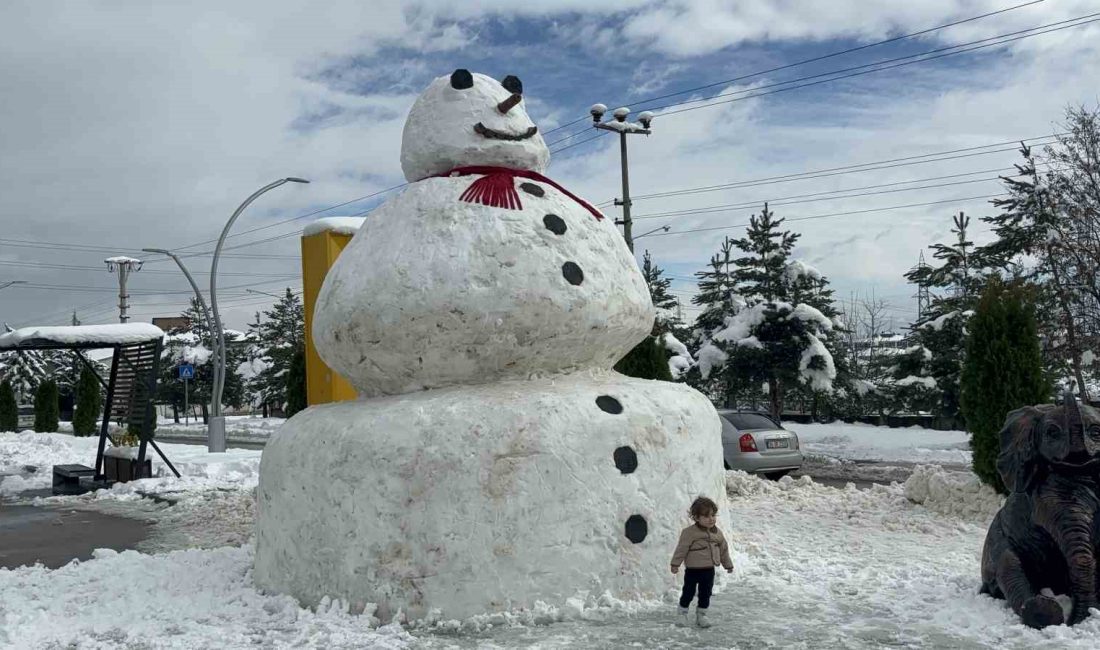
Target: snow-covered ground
245, 428
816, 567
236, 469
870, 443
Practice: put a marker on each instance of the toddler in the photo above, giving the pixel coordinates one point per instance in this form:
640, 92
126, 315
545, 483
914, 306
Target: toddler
701, 548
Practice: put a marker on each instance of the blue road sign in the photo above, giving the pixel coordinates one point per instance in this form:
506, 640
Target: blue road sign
187, 371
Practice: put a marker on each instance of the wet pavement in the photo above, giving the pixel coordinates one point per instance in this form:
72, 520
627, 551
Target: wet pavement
55, 536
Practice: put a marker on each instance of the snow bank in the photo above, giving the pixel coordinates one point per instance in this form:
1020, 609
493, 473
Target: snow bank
337, 225
236, 469
111, 334
184, 599
952, 493
867, 442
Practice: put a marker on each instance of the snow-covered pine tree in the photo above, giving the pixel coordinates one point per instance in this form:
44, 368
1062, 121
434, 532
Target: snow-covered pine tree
666, 304
715, 296
770, 340
25, 369
649, 358
1039, 238
193, 344
277, 337
296, 382
954, 286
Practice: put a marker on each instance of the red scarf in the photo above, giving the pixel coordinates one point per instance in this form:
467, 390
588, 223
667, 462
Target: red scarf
497, 187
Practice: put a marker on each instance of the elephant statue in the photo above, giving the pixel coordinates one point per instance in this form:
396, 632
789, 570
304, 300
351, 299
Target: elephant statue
1046, 534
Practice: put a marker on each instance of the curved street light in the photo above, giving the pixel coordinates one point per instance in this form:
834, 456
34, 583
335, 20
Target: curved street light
217, 420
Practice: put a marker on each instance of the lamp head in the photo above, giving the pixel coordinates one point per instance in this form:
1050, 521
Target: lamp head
597, 112
646, 118
621, 113
293, 179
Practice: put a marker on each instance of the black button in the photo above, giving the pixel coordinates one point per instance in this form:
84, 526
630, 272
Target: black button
609, 404
636, 528
532, 189
554, 224
626, 460
572, 273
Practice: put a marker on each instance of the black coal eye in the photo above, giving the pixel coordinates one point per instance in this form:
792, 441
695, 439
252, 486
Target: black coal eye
1053, 431
1094, 432
512, 84
462, 79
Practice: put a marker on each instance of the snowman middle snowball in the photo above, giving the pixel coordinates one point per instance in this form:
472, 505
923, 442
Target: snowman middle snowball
438, 290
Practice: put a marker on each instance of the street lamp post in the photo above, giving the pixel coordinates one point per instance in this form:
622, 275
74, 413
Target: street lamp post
664, 228
623, 128
217, 421
206, 317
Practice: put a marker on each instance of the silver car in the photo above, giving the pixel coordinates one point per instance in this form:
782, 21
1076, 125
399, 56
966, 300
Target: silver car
754, 443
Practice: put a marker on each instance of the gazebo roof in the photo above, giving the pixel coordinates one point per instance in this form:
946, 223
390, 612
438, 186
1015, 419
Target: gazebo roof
80, 336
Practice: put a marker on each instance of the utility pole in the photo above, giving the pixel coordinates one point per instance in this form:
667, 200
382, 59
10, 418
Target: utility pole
125, 266
924, 297
623, 128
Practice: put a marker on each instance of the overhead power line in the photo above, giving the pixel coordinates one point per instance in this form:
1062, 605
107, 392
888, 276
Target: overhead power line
835, 214
879, 66
814, 59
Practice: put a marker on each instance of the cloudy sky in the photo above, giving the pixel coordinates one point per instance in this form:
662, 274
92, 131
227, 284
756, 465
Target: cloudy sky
133, 124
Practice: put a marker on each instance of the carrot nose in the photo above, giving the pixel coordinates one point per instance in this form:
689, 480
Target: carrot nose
509, 103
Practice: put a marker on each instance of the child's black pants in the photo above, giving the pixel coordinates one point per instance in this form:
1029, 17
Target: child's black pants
704, 578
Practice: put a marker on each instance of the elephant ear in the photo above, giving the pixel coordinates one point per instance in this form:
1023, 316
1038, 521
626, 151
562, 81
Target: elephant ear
1018, 462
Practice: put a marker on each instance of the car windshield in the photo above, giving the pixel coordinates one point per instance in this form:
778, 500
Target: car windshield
748, 421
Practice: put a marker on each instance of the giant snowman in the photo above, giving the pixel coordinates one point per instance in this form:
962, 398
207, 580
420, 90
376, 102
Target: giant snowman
493, 459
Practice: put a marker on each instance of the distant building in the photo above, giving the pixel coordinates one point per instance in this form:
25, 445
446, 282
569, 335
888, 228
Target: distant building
169, 323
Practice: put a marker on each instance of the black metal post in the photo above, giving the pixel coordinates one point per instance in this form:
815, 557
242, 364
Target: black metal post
115, 360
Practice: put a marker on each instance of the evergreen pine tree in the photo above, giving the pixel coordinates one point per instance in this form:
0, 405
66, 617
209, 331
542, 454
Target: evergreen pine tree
649, 359
942, 328
770, 340
25, 369
9, 410
88, 404
278, 336
1003, 371
296, 382
46, 411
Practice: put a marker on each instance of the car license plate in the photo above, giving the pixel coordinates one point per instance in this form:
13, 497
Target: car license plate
777, 444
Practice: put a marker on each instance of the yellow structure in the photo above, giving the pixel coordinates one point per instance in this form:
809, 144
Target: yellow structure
319, 252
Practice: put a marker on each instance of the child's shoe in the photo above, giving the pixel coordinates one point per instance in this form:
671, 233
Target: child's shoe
682, 618
701, 618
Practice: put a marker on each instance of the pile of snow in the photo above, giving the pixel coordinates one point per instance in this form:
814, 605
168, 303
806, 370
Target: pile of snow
196, 355
867, 442
184, 599
235, 469
107, 335
798, 269
952, 493
335, 225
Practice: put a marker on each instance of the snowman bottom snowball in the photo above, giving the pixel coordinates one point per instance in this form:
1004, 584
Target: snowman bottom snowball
486, 498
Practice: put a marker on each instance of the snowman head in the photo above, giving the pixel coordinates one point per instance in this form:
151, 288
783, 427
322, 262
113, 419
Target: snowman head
466, 119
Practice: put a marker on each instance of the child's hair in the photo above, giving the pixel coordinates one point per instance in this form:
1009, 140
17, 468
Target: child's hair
702, 507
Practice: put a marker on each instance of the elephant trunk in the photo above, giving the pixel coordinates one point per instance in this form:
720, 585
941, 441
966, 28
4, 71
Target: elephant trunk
1075, 541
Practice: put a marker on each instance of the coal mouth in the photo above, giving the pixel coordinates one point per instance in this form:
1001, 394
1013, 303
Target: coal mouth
500, 135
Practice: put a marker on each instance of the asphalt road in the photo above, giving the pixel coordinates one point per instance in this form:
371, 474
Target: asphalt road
57, 536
